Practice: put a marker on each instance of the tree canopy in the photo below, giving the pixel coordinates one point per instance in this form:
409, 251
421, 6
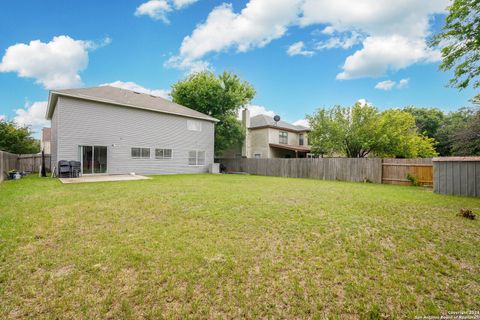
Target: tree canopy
460, 42
450, 130
17, 139
220, 97
362, 130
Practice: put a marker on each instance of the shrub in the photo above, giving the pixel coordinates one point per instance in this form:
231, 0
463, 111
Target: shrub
413, 179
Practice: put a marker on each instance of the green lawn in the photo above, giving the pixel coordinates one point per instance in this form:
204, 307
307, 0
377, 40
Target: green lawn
234, 246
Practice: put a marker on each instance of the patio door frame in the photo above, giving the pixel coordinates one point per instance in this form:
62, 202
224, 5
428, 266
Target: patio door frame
80, 147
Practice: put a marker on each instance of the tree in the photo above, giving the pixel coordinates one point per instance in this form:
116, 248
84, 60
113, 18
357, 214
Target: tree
220, 97
460, 41
17, 139
428, 120
453, 123
466, 142
362, 130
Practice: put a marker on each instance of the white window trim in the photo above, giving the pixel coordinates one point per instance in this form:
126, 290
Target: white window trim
194, 125
141, 158
171, 154
196, 158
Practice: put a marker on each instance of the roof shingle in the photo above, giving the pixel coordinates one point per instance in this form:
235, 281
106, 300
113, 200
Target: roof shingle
118, 96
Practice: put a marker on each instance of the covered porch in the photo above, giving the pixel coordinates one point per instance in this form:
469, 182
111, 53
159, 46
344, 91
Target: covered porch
288, 151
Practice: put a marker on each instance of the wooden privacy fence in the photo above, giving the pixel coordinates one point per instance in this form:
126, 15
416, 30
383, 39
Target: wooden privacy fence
346, 169
23, 162
376, 170
457, 176
395, 171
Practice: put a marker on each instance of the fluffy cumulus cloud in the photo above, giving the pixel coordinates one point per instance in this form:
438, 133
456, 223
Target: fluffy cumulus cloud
298, 49
2, 117
158, 9
138, 88
302, 122
390, 84
386, 53
392, 35
32, 115
403, 83
255, 110
55, 64
256, 25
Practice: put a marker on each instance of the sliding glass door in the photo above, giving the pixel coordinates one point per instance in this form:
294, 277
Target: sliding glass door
94, 159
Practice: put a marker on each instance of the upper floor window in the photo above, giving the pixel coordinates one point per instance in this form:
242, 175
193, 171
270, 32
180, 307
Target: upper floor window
283, 137
163, 153
140, 153
194, 125
300, 139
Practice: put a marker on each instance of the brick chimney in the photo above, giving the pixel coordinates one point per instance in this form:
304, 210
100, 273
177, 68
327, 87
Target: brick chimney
246, 125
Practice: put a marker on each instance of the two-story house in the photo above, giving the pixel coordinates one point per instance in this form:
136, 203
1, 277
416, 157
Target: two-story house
267, 138
116, 131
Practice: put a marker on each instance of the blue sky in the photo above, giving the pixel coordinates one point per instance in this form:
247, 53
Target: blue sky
299, 54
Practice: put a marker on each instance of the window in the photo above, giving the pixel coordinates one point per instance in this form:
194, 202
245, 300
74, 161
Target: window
194, 125
257, 155
283, 137
196, 158
141, 153
300, 139
163, 153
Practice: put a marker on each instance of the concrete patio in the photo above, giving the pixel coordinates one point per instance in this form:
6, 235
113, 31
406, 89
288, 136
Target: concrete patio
103, 178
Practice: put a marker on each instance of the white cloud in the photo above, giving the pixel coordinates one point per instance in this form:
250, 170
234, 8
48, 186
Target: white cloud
138, 88
158, 9
380, 25
363, 102
55, 65
155, 9
345, 41
32, 115
403, 83
390, 84
382, 54
260, 22
298, 49
302, 122
3, 117
255, 110
183, 3
385, 85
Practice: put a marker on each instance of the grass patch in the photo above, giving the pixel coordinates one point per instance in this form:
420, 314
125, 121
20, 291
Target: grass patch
231, 246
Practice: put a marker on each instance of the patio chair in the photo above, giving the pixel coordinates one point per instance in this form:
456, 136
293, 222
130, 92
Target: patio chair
75, 169
63, 169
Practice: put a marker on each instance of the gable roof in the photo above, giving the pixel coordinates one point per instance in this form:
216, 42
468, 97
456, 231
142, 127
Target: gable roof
263, 121
126, 98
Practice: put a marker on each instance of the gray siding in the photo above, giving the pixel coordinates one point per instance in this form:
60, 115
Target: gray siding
119, 128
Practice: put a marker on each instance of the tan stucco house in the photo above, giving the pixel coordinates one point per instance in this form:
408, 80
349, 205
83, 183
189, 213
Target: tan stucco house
266, 138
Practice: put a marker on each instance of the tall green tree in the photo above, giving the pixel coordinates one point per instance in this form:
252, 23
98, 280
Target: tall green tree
362, 130
466, 141
460, 42
428, 120
220, 97
453, 123
17, 139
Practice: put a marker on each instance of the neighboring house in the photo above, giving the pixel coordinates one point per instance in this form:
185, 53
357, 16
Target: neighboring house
117, 131
45, 142
266, 138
